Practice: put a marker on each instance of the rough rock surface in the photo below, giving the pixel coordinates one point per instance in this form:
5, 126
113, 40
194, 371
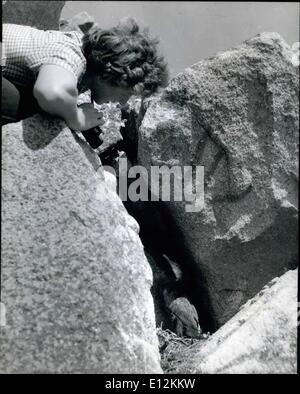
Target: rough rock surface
260, 339
81, 22
40, 14
74, 278
237, 115
111, 129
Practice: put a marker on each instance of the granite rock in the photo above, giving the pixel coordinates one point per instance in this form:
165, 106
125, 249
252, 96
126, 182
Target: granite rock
43, 15
81, 22
236, 114
74, 277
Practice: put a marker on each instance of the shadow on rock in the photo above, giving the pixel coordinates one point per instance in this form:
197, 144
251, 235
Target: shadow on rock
39, 131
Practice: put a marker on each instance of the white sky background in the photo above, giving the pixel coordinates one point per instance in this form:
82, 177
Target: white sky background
191, 31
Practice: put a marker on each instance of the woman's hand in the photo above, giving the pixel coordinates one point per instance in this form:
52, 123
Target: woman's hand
87, 118
56, 92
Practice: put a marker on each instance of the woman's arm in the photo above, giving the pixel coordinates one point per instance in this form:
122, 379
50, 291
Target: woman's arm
56, 93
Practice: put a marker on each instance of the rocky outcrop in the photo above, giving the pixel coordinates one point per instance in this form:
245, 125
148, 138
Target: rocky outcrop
74, 278
260, 339
43, 15
236, 114
110, 130
81, 22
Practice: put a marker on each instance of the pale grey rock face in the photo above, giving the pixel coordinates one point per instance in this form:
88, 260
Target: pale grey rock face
110, 135
81, 22
260, 339
236, 114
43, 15
74, 278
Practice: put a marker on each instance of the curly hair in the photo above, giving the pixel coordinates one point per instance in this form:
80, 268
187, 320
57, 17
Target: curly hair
125, 56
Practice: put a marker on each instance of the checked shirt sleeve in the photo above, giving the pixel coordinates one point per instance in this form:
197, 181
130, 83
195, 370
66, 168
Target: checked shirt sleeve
66, 54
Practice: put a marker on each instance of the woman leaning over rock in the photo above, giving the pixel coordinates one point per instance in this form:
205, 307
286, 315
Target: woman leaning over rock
46, 70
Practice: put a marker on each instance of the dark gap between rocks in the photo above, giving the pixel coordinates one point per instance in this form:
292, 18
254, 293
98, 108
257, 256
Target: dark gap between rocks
160, 236
187, 296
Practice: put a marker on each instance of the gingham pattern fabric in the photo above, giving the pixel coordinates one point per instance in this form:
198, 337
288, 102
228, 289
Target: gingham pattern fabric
25, 49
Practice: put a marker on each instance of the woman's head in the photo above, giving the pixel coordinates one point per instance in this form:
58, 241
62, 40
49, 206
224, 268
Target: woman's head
124, 56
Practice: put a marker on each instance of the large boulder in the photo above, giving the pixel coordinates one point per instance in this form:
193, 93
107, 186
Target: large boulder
237, 115
260, 339
43, 15
75, 282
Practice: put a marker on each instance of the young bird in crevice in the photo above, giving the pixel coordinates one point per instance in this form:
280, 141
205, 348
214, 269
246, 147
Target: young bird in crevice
184, 314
